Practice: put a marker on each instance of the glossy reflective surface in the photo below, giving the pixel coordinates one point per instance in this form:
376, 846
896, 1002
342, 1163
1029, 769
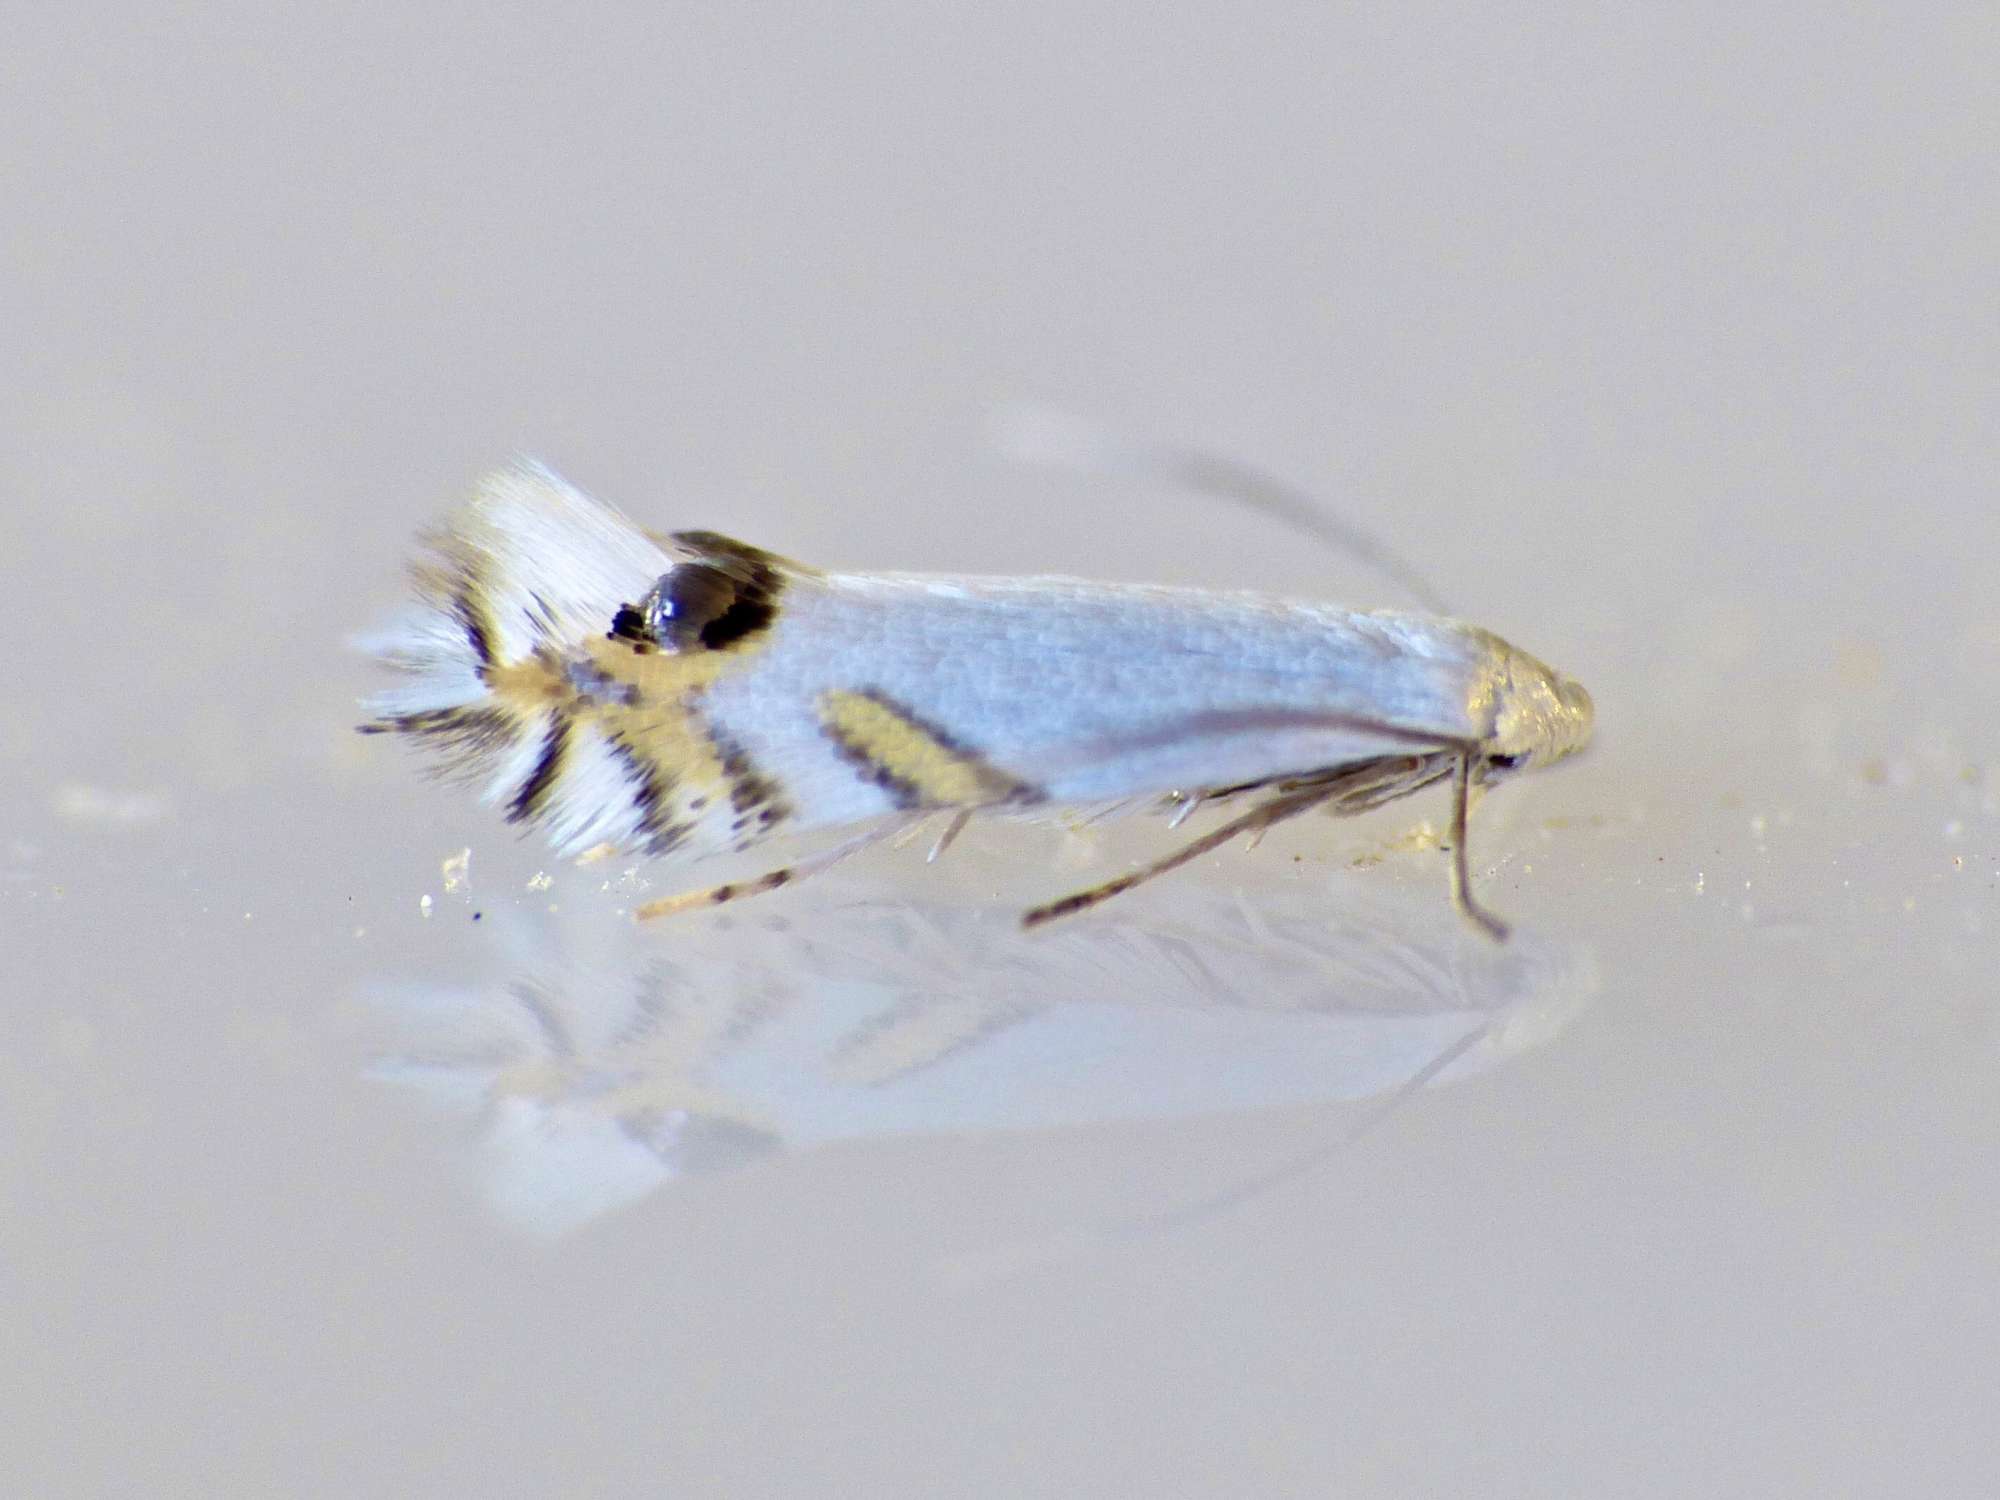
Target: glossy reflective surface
337, 1164
605, 1062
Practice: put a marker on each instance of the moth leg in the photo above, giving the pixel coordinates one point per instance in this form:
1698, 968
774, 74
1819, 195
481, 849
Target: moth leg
736, 890
1275, 810
1461, 875
950, 835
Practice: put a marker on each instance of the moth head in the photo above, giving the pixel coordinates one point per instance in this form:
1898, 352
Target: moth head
1539, 716
703, 604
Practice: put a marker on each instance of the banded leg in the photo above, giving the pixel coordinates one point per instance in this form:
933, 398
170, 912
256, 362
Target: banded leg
735, 890
1274, 810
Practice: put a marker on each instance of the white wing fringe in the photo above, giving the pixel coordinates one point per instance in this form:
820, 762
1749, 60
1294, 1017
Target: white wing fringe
523, 573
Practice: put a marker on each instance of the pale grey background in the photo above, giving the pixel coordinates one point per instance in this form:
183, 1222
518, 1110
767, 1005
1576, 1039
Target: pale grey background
1665, 335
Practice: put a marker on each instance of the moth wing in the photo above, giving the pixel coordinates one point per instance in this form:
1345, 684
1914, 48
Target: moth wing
951, 691
527, 665
1224, 751
739, 560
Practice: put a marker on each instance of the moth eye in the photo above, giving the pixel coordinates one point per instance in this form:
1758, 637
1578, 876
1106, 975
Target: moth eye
674, 609
1504, 762
697, 605
687, 599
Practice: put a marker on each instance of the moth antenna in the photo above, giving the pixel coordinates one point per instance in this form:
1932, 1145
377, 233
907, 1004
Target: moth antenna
1054, 439
1309, 1161
1072, 1244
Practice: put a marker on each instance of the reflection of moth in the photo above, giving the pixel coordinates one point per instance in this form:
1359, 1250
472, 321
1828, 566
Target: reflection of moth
687, 695
605, 1066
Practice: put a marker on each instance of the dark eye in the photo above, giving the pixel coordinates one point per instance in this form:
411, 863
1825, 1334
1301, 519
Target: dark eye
1504, 762
700, 604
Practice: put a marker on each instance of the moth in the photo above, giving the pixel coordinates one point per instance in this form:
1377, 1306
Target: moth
686, 694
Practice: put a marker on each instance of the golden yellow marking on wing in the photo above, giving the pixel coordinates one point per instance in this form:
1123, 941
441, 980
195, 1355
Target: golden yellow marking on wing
657, 676
910, 759
646, 701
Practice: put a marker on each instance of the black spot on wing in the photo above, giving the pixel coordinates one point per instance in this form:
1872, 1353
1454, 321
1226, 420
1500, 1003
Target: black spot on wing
744, 618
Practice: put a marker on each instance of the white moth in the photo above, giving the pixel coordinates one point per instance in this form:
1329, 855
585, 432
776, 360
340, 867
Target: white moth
687, 694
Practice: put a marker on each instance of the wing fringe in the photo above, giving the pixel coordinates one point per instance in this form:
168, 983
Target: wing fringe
497, 679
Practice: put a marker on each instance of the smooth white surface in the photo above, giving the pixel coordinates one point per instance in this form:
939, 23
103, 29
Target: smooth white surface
1667, 340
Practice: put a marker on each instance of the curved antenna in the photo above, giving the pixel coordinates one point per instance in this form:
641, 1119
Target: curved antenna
1053, 439
1010, 1260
